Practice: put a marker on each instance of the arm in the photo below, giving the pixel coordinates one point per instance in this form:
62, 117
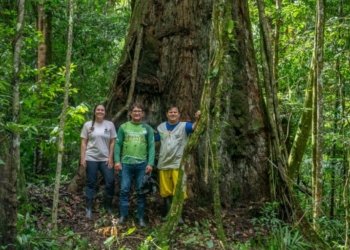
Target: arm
83, 146
197, 115
151, 150
111, 152
118, 148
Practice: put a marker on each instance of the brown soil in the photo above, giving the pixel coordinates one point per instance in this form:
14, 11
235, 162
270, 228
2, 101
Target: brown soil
198, 231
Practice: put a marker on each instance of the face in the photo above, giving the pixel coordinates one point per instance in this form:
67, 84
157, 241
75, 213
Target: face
100, 112
136, 114
173, 115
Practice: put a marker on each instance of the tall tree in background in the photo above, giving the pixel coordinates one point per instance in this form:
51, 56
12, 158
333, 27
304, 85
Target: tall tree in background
60, 143
317, 115
8, 179
44, 30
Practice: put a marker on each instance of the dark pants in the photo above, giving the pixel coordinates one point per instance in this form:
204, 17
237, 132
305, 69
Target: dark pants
91, 178
129, 173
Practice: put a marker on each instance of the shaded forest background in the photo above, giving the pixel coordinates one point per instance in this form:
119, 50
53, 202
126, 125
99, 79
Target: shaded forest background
100, 36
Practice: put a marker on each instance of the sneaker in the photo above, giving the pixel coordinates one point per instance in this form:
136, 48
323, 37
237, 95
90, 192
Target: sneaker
142, 223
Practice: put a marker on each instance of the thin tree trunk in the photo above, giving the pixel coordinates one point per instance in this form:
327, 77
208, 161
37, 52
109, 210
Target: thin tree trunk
278, 150
276, 40
270, 57
63, 115
317, 116
11, 166
41, 63
347, 205
335, 151
42, 29
304, 128
219, 69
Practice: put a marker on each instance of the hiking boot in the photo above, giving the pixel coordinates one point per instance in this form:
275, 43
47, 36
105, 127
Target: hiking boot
88, 208
122, 220
89, 213
108, 205
142, 222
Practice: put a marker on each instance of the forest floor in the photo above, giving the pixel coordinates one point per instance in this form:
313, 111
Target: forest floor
198, 231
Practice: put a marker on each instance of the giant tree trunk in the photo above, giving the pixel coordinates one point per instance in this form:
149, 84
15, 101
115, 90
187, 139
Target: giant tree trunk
172, 62
172, 68
173, 57
244, 152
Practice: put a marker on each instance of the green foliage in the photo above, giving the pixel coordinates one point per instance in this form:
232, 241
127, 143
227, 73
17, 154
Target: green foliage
29, 237
273, 233
269, 217
148, 244
99, 31
286, 238
115, 240
197, 236
281, 238
7, 31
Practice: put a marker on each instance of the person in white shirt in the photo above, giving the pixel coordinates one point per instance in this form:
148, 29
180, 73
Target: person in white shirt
96, 154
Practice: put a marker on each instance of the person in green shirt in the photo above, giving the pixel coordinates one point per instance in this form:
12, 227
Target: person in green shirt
134, 157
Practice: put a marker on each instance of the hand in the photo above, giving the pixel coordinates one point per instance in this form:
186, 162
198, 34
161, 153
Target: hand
197, 115
118, 166
148, 169
83, 163
110, 163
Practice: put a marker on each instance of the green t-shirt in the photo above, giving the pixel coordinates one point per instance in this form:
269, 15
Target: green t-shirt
135, 144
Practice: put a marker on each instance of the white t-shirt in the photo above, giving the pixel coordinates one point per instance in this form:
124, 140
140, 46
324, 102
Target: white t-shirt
98, 139
172, 145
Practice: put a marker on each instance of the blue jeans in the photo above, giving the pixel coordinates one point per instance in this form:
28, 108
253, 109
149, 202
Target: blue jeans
91, 178
129, 173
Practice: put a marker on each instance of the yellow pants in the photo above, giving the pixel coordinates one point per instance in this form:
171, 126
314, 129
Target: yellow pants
167, 182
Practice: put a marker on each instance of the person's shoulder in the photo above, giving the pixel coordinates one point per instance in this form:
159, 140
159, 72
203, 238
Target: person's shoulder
108, 122
88, 124
162, 124
123, 125
186, 124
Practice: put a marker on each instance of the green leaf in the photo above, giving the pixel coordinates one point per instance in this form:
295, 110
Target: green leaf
130, 231
210, 244
110, 241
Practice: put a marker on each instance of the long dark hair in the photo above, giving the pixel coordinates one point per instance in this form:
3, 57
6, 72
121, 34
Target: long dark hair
94, 117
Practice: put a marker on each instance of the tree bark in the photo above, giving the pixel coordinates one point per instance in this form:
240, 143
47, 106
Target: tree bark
41, 63
11, 154
304, 128
347, 204
336, 151
317, 122
63, 115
